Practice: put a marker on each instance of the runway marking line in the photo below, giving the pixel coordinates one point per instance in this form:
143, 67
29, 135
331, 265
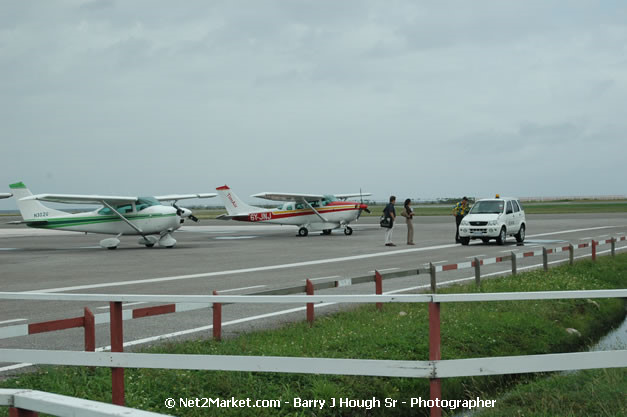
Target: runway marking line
242, 288
12, 321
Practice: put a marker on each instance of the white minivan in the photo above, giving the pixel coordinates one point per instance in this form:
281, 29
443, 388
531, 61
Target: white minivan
494, 218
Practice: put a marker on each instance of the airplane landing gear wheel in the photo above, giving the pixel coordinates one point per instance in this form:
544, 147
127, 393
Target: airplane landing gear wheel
110, 243
348, 231
303, 232
148, 241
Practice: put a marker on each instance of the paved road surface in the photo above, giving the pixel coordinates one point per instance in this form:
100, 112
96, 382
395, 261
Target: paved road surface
238, 258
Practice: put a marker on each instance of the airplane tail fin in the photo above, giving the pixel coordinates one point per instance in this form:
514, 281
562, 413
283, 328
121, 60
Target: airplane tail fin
31, 209
234, 205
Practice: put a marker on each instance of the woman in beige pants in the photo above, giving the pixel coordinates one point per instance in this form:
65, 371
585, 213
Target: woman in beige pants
408, 213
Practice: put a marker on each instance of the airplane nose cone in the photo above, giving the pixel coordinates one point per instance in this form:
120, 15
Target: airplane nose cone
186, 212
363, 206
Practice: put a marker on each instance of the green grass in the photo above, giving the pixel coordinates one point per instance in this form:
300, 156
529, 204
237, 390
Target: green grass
569, 207
400, 331
530, 208
434, 210
599, 392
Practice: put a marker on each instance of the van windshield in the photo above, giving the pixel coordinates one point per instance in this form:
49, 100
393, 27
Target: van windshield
488, 207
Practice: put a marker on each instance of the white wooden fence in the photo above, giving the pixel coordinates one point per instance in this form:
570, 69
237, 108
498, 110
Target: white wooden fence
434, 369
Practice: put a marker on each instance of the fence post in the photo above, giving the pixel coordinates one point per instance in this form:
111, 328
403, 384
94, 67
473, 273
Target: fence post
432, 273
217, 319
310, 307
477, 272
545, 259
20, 412
594, 250
435, 384
571, 253
613, 243
117, 345
90, 331
514, 265
378, 283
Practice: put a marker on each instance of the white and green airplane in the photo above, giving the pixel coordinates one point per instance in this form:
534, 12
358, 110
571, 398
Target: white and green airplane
143, 216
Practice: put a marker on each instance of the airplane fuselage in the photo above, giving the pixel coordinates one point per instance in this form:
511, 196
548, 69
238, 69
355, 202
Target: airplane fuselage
335, 213
151, 220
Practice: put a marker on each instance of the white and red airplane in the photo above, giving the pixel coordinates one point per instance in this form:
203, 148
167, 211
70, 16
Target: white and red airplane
310, 212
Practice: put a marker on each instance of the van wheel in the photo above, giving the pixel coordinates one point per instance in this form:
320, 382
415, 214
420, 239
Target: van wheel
485, 240
520, 236
464, 240
502, 236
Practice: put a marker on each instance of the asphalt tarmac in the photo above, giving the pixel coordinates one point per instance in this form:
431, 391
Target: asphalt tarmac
241, 258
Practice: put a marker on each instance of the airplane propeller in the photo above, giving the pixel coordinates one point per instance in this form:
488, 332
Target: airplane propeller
180, 212
362, 206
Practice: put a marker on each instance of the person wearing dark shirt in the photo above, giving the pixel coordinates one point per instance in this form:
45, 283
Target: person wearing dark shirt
390, 212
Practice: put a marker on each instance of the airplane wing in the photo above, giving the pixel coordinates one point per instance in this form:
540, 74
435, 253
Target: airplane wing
345, 196
172, 197
82, 199
289, 196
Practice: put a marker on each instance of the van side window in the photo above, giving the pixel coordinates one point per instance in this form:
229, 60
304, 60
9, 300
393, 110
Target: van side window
509, 208
520, 205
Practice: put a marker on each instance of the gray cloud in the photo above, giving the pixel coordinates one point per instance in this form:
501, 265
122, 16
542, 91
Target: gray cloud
417, 99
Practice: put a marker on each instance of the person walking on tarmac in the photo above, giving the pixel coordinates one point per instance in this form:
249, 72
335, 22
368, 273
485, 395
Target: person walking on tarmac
459, 211
390, 212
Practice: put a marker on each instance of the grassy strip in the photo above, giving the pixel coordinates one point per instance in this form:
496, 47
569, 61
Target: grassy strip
572, 207
535, 208
598, 392
434, 210
399, 332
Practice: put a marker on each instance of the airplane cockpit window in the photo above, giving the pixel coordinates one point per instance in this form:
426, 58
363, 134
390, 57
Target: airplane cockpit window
328, 199
122, 209
300, 206
315, 204
145, 202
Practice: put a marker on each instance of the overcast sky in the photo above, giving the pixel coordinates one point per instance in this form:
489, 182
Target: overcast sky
419, 99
